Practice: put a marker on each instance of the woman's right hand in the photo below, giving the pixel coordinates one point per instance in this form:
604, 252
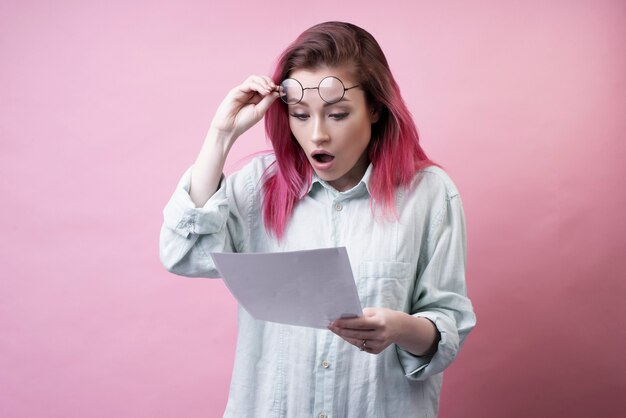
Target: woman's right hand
244, 106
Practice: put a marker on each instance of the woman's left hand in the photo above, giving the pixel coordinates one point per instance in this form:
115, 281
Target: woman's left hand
372, 332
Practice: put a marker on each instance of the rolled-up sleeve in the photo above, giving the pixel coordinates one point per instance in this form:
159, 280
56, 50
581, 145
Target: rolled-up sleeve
440, 293
189, 234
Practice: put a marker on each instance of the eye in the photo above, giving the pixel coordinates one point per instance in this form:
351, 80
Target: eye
299, 116
338, 116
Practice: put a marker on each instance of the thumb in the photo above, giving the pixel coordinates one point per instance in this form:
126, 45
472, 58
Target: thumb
367, 312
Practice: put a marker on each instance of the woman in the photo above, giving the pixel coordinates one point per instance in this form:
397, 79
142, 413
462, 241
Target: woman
347, 170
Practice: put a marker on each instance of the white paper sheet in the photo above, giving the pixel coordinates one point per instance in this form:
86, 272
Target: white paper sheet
307, 288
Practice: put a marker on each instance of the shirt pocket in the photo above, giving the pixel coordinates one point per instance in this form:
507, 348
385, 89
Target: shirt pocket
384, 284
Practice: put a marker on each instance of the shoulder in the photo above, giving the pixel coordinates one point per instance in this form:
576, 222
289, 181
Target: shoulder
436, 181
252, 173
433, 196
258, 165
431, 191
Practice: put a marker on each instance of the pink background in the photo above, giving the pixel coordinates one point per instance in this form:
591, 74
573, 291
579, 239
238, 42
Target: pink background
102, 107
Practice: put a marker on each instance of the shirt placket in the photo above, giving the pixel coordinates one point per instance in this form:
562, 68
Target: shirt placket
327, 343
325, 375
338, 214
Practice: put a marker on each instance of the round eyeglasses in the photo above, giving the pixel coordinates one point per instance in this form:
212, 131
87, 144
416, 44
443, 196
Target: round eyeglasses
331, 90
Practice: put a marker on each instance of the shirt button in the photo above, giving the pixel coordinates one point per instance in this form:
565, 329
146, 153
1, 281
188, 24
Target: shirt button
338, 206
325, 364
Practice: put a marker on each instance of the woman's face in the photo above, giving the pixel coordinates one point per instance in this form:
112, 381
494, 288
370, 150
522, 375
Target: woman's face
334, 136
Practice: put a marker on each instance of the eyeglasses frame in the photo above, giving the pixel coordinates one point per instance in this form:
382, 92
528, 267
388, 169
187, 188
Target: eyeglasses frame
316, 88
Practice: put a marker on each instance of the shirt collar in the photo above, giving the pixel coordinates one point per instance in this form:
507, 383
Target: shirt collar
363, 186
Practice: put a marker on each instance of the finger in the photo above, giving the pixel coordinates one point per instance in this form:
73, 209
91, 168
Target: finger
249, 88
260, 84
357, 337
357, 334
269, 82
266, 102
370, 347
367, 312
262, 87
262, 79
355, 342
361, 323
350, 340
367, 346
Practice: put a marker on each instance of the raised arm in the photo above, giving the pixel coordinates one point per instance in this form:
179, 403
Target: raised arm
241, 109
203, 215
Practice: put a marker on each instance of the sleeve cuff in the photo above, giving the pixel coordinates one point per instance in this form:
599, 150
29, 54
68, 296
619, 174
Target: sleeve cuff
420, 368
183, 217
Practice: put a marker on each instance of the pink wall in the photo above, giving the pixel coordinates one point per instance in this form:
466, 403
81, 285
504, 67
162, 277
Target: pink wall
103, 106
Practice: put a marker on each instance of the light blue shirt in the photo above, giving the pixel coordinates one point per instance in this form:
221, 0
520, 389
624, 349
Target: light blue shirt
415, 264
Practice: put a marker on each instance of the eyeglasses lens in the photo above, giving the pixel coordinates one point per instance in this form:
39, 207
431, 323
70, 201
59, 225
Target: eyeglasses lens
290, 91
331, 89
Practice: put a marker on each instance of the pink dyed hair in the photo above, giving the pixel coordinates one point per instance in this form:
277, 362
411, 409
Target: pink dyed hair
394, 150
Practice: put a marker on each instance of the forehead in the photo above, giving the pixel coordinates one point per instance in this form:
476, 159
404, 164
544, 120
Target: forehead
311, 77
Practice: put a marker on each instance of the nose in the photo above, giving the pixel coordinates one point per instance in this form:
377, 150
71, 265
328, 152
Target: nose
320, 133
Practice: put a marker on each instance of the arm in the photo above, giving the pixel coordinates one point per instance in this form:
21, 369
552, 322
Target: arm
242, 108
204, 213
440, 294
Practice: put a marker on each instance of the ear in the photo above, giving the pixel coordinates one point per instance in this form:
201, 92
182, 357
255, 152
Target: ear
374, 114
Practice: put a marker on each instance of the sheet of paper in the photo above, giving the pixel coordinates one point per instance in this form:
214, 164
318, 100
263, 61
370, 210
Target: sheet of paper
307, 288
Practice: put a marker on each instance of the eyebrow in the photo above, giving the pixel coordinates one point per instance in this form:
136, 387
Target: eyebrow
302, 102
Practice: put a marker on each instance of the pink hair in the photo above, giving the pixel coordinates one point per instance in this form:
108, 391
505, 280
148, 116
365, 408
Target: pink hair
394, 150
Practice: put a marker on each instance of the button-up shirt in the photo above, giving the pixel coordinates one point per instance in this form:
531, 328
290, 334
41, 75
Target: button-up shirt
413, 261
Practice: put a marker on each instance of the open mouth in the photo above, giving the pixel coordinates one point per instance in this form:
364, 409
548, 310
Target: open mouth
322, 157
